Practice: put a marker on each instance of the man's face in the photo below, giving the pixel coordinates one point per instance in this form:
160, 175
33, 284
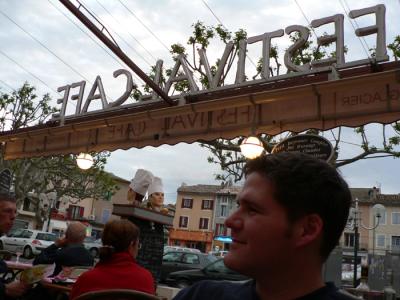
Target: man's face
261, 233
8, 212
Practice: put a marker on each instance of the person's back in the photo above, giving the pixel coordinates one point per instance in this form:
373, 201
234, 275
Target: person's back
68, 251
120, 272
73, 255
117, 268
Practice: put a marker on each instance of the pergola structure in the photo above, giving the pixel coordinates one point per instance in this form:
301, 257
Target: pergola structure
351, 96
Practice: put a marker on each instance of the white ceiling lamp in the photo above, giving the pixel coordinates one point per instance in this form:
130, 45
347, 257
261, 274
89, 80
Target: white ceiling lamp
251, 147
84, 161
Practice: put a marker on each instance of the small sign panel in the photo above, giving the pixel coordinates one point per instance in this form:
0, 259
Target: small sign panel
314, 145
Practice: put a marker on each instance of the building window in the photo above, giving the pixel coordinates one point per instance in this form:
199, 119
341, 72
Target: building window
220, 229
187, 203
105, 216
349, 239
75, 212
395, 242
395, 218
183, 221
224, 211
224, 200
27, 204
203, 223
380, 240
207, 204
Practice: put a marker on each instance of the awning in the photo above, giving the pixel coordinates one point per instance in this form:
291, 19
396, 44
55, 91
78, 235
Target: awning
362, 95
223, 238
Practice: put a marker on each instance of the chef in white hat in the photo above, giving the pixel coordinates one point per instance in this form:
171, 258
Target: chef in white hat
139, 186
156, 195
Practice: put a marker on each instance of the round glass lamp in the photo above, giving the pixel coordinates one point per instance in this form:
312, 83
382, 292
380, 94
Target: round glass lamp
84, 161
251, 147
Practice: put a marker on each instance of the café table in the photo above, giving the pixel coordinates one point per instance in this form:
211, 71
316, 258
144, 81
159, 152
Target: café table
367, 295
58, 290
16, 267
57, 287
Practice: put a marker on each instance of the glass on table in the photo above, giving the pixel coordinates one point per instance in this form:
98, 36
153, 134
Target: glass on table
18, 253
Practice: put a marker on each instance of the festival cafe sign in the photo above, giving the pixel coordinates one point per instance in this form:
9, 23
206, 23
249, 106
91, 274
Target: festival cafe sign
314, 145
322, 94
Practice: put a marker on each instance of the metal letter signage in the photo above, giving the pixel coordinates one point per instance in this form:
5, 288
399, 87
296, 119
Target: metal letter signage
338, 61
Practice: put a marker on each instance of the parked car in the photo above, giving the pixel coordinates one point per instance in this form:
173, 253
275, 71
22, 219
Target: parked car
93, 245
182, 260
214, 271
28, 242
219, 254
177, 248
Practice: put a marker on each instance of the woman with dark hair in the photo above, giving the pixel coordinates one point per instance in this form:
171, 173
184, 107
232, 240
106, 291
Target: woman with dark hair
117, 268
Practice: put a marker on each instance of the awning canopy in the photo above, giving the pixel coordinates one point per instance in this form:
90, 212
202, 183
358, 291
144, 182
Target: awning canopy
223, 238
361, 95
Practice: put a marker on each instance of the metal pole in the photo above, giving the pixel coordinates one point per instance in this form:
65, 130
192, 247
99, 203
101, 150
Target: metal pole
373, 242
355, 253
117, 51
49, 217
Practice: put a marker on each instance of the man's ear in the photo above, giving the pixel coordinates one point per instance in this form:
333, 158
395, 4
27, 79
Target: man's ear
308, 229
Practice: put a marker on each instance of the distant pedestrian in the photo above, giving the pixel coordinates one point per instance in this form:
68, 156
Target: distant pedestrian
291, 213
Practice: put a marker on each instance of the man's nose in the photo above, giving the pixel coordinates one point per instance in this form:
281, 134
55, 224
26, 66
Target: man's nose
234, 221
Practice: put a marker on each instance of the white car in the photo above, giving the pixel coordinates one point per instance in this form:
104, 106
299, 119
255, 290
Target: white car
183, 249
92, 245
27, 242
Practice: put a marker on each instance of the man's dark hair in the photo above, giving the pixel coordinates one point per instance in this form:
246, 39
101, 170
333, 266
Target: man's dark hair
7, 197
306, 185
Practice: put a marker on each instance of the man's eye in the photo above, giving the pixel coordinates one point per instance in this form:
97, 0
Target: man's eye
252, 210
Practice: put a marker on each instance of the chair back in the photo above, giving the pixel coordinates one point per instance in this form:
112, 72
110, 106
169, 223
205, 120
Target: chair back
116, 294
5, 255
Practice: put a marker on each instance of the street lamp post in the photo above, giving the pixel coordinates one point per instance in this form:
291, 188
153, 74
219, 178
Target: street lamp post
52, 202
355, 218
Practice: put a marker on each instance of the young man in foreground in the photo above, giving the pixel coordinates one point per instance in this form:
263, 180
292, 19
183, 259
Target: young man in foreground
291, 213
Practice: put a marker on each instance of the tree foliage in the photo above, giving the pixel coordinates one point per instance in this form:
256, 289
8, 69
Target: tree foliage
45, 175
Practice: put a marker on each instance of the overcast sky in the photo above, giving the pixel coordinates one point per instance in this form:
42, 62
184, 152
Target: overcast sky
42, 43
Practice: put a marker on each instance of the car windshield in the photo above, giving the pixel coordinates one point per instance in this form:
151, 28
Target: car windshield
211, 258
44, 236
90, 239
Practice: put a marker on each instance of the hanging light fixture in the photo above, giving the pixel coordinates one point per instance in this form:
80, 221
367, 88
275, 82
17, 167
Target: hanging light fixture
251, 147
84, 161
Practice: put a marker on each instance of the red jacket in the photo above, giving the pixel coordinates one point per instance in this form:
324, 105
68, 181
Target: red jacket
120, 272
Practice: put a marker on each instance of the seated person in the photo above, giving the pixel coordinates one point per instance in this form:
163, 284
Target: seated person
117, 268
68, 251
8, 211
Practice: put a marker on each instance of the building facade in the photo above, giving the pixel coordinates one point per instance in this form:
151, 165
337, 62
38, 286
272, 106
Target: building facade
225, 203
194, 217
377, 235
94, 213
